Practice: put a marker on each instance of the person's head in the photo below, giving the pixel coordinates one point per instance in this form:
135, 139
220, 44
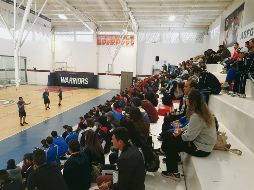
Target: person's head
39, 157
20, 99
49, 140
43, 142
28, 159
190, 84
89, 122
3, 176
65, 127
136, 102
251, 43
110, 116
236, 45
120, 138
11, 164
92, 143
135, 114
196, 104
247, 44
69, 129
196, 71
242, 52
221, 47
81, 119
74, 146
46, 89
54, 134
102, 120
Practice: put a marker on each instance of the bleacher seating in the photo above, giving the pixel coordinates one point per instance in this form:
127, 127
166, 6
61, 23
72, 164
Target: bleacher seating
224, 170
221, 170
237, 115
249, 89
216, 69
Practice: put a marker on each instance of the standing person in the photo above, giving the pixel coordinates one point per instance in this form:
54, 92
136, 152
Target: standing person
46, 99
60, 95
22, 113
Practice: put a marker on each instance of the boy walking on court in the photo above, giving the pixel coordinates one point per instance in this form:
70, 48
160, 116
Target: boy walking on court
45, 97
22, 113
60, 95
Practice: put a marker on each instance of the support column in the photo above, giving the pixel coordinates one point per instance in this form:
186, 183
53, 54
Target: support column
53, 52
17, 42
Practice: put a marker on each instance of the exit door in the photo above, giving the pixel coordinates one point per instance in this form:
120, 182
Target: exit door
126, 80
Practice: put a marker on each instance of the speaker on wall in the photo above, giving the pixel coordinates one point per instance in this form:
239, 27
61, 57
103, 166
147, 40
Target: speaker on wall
157, 58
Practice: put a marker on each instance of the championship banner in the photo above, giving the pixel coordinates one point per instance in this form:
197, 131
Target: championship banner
74, 79
246, 33
113, 40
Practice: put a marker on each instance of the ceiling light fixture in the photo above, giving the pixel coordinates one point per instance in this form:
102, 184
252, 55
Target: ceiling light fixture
62, 16
171, 17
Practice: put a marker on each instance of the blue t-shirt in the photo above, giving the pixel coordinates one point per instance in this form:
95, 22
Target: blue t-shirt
21, 106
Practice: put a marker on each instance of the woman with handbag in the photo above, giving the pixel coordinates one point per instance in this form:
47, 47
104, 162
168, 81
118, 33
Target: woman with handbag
197, 139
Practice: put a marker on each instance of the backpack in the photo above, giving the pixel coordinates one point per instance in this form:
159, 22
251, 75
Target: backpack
152, 161
222, 144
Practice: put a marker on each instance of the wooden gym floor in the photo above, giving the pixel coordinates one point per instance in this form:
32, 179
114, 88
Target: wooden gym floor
36, 113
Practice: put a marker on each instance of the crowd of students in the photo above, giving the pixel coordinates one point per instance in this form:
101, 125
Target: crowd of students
121, 128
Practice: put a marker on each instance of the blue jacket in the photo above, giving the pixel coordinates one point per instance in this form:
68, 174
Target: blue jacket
52, 154
62, 145
72, 136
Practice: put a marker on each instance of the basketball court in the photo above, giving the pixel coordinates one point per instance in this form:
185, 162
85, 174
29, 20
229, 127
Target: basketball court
36, 112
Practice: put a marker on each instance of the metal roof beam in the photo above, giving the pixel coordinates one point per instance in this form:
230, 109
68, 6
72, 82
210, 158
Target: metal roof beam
81, 16
129, 16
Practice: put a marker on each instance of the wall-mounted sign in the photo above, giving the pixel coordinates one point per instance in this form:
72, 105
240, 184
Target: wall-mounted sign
74, 79
233, 23
112, 40
246, 33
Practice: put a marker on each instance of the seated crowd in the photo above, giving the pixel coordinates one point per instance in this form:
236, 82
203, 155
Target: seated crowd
121, 128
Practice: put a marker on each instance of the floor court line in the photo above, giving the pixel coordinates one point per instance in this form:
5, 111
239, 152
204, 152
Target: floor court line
24, 142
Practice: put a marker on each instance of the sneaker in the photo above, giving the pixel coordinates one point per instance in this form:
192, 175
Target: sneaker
242, 95
48, 107
21, 124
233, 95
59, 104
25, 123
173, 176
